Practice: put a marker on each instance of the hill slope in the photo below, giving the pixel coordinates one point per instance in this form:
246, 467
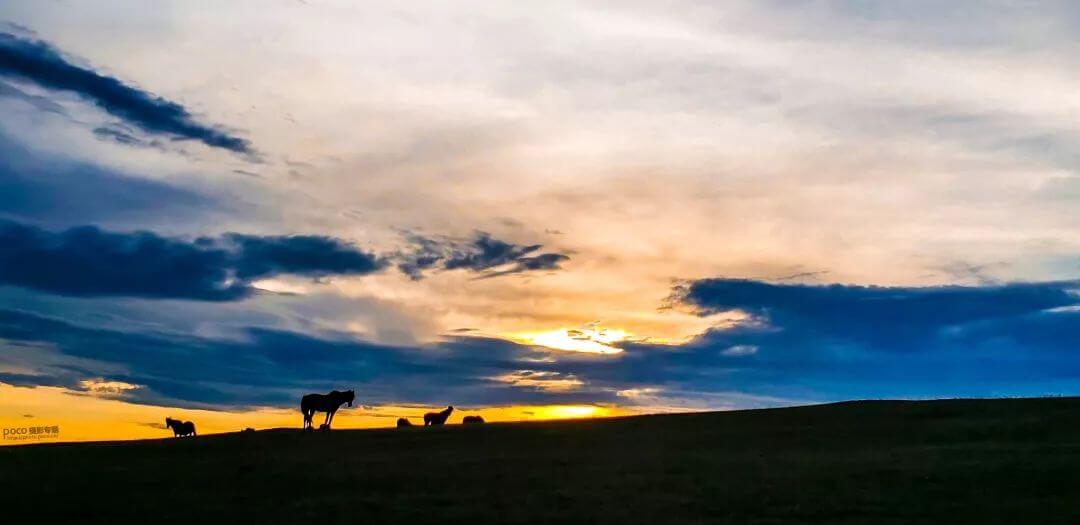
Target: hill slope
963, 461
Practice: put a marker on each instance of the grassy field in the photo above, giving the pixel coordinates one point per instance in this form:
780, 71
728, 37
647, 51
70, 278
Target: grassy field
964, 461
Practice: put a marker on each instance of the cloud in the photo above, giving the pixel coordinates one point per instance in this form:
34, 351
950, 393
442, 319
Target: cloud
274, 367
39, 62
1024, 349
545, 261
894, 318
540, 380
101, 387
55, 190
307, 255
39, 102
843, 342
124, 136
86, 261
482, 254
740, 350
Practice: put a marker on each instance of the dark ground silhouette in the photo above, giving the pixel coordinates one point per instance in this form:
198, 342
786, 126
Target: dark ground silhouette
965, 462
403, 422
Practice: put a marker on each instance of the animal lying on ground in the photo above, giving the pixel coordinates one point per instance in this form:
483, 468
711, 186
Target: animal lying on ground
472, 420
329, 403
402, 422
180, 428
437, 418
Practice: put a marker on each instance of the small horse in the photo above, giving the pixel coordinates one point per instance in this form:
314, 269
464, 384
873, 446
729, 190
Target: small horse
472, 420
402, 422
180, 428
437, 418
328, 403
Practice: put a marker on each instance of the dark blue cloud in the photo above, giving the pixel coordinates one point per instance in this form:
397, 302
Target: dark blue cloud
271, 367
1014, 339
86, 261
843, 342
897, 318
482, 254
37, 61
544, 261
309, 255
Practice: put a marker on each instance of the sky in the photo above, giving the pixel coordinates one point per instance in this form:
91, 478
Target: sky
531, 211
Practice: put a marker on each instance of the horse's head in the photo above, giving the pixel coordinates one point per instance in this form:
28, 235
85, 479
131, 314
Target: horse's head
349, 397
169, 421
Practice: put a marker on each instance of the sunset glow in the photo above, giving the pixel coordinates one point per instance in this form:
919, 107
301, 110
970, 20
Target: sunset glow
530, 210
590, 339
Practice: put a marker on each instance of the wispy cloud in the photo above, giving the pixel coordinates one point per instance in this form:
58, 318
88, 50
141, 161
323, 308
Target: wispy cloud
41, 63
481, 254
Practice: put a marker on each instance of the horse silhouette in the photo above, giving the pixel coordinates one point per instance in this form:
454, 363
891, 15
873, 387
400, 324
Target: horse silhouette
472, 420
402, 422
437, 418
180, 428
329, 403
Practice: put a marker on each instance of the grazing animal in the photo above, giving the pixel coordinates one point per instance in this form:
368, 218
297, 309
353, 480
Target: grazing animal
437, 418
180, 428
402, 422
472, 420
249, 429
329, 403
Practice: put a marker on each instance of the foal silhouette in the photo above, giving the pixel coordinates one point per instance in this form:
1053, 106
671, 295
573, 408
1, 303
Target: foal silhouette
437, 418
329, 403
402, 422
180, 428
471, 420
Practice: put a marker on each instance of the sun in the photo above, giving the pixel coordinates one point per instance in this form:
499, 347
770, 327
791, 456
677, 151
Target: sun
571, 412
591, 339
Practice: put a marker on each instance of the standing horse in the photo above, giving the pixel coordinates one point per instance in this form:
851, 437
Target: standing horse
180, 428
437, 418
329, 403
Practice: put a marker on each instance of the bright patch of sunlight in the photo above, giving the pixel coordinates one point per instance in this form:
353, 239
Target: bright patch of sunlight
590, 339
571, 411
280, 286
